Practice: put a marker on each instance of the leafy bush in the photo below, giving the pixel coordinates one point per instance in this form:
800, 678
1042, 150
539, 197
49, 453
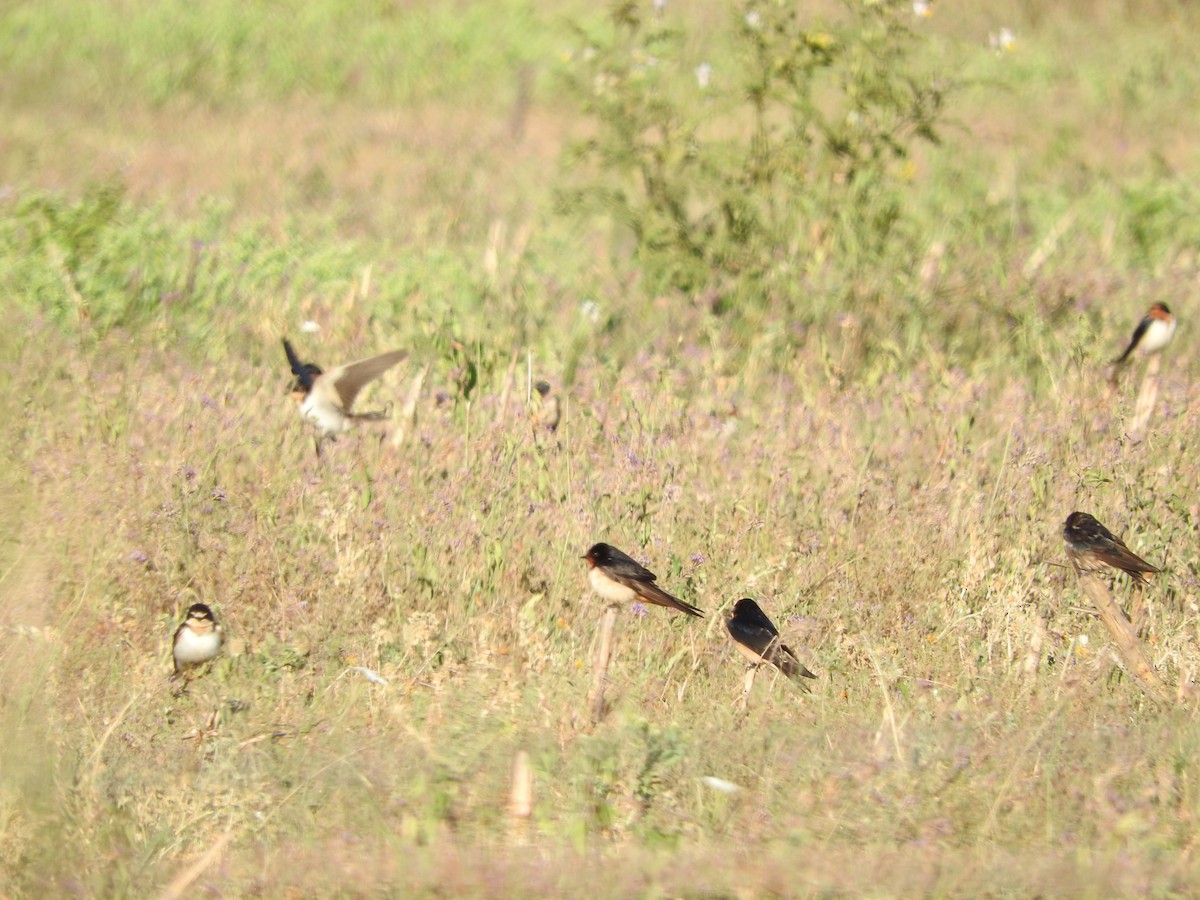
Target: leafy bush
787, 161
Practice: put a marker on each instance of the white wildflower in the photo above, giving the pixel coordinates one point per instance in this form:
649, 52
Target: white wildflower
1003, 40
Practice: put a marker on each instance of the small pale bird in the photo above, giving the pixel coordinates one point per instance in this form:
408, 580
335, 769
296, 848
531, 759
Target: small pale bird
325, 398
619, 579
198, 639
1091, 547
1152, 334
757, 639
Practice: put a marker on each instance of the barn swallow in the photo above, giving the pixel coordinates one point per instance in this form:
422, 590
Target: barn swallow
1152, 334
757, 639
1091, 546
544, 408
619, 579
198, 639
325, 397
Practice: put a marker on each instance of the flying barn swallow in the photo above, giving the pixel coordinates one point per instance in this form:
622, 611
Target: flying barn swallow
757, 639
325, 398
1152, 334
619, 579
1091, 547
198, 639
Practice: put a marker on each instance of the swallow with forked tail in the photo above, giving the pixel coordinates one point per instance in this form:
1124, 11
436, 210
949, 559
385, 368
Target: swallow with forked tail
619, 579
325, 398
757, 639
197, 640
1152, 334
1091, 547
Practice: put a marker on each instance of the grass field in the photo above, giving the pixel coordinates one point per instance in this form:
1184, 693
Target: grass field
882, 454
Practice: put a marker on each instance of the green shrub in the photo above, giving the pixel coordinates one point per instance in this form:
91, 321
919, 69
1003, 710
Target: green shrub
786, 161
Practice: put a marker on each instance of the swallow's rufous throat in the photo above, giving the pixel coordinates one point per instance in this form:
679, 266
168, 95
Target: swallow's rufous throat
1091, 547
757, 638
325, 398
619, 579
1152, 334
198, 639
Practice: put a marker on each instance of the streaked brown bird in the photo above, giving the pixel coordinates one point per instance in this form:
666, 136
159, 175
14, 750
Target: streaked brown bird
325, 398
1091, 547
618, 579
757, 639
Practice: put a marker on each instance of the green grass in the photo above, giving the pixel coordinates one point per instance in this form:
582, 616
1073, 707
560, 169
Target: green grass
227, 53
887, 472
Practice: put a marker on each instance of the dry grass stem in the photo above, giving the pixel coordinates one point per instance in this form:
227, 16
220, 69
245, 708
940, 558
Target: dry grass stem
520, 798
608, 626
180, 884
1123, 636
1147, 398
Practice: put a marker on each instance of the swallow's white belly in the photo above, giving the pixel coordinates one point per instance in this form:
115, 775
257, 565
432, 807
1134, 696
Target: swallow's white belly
324, 415
192, 649
1157, 336
612, 591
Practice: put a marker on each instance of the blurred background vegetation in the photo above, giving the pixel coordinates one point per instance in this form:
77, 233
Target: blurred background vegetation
826, 290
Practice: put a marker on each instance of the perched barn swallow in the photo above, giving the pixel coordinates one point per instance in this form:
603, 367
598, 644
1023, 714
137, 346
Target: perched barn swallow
544, 409
1152, 334
1091, 547
198, 639
619, 579
325, 398
757, 638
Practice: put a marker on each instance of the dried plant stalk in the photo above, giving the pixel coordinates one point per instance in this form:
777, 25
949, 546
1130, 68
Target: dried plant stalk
600, 669
1033, 659
1147, 397
747, 685
1123, 636
520, 800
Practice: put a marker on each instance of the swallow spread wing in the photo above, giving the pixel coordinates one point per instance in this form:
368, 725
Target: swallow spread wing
344, 382
325, 398
618, 578
350, 379
1091, 546
757, 638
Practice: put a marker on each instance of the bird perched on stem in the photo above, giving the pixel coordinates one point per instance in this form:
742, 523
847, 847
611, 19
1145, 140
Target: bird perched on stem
618, 579
1091, 547
757, 639
1152, 334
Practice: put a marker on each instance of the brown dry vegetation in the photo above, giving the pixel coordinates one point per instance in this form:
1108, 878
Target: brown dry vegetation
897, 514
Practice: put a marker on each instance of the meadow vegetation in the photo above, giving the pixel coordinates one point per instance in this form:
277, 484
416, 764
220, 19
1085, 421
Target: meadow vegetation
868, 396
